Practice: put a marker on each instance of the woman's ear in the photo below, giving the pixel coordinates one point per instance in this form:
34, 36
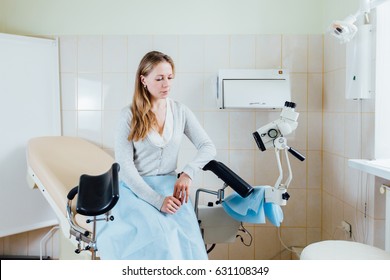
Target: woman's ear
142, 78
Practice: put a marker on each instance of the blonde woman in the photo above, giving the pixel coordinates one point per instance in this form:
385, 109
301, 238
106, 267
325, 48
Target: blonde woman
154, 218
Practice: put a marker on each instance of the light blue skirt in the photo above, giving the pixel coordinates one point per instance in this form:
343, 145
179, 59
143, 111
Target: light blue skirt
141, 232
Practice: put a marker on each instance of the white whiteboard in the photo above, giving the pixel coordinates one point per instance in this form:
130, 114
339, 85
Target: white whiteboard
29, 107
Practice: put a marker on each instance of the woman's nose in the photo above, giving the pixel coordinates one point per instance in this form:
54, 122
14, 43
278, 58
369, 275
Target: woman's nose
166, 82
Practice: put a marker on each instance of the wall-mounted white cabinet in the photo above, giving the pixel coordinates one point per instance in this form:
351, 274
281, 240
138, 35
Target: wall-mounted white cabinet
250, 88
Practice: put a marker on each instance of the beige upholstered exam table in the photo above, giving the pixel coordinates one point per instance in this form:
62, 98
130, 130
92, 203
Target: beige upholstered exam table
55, 164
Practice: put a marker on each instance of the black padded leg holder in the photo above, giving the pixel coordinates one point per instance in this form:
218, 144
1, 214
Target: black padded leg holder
229, 177
98, 194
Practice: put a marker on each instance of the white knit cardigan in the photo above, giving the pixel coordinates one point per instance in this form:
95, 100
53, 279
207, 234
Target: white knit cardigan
146, 158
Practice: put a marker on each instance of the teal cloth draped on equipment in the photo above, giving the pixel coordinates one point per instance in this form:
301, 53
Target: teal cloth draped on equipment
253, 209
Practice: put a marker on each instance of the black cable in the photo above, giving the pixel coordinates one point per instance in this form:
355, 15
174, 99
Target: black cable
244, 230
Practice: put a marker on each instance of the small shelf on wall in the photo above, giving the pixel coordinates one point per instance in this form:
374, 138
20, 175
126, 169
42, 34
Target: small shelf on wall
379, 168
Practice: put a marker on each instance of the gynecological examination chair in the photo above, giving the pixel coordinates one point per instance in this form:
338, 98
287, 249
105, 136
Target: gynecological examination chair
71, 168
68, 169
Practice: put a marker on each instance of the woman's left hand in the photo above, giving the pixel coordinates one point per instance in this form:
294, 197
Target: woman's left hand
182, 188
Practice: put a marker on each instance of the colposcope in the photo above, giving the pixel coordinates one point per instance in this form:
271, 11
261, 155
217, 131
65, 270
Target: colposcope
272, 135
216, 225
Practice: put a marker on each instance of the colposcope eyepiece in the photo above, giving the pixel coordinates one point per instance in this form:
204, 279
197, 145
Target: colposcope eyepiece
290, 104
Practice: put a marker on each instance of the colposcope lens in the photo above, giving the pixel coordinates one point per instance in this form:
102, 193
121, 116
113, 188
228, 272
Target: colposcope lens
272, 133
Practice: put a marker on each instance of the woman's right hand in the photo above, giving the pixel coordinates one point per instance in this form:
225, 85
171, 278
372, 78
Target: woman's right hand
170, 205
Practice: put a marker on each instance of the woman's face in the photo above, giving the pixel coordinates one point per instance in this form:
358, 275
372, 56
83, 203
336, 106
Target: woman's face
159, 80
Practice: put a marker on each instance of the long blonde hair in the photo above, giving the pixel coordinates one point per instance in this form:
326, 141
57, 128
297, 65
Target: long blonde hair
143, 118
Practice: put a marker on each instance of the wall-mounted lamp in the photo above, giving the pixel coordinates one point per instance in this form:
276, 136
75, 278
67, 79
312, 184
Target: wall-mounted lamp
345, 30
358, 50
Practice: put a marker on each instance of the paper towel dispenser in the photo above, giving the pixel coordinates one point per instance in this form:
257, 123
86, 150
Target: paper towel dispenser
253, 88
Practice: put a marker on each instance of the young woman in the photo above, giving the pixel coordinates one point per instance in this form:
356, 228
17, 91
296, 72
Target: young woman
154, 218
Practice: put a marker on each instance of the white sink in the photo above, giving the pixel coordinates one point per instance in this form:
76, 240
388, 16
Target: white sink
379, 167
384, 163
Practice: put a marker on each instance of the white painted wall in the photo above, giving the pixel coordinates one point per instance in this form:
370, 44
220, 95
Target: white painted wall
2, 16
46, 17
171, 16
163, 17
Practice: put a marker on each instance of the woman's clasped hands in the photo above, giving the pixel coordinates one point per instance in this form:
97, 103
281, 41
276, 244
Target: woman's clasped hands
180, 195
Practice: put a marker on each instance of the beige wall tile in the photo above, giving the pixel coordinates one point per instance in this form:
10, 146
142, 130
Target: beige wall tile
242, 51
314, 84
239, 251
293, 237
314, 131
314, 207
315, 53
296, 209
16, 245
268, 51
313, 235
314, 170
220, 252
267, 244
294, 52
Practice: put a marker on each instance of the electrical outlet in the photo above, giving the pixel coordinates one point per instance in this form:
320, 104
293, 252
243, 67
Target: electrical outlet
346, 227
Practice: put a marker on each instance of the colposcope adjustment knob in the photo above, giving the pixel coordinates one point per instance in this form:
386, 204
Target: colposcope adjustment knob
285, 196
